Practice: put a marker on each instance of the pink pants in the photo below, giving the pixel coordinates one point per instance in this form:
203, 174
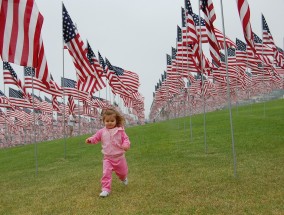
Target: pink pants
118, 165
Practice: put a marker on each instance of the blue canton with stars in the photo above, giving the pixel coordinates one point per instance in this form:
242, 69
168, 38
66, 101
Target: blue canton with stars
7, 66
196, 20
29, 71
69, 29
15, 93
118, 70
65, 82
241, 46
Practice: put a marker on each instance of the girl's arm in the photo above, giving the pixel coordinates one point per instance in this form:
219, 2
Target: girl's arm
125, 141
95, 138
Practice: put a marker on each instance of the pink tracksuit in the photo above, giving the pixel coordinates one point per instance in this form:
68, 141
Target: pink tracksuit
114, 144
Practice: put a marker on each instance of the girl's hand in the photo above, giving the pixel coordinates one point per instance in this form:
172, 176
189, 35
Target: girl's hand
88, 140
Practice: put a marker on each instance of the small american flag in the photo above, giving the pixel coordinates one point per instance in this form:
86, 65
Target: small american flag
10, 76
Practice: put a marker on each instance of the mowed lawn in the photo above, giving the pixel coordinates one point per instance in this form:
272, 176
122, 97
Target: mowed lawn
170, 171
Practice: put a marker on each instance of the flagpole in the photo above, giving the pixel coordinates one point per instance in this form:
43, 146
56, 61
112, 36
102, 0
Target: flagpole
202, 82
35, 144
78, 110
262, 69
228, 93
188, 92
6, 127
185, 24
63, 92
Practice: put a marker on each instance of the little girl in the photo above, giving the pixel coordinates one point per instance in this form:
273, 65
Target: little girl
115, 143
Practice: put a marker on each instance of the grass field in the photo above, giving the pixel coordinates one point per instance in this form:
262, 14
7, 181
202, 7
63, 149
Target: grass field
170, 172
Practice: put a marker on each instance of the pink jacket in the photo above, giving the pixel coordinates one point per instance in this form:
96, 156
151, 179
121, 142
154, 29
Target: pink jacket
114, 141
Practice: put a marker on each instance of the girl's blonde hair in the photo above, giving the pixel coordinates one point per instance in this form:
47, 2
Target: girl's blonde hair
119, 118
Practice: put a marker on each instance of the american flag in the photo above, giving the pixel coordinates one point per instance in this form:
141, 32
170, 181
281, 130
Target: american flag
32, 82
70, 89
76, 47
71, 105
210, 16
17, 98
244, 13
114, 80
69, 86
93, 60
10, 76
100, 102
231, 56
20, 30
102, 62
55, 104
191, 35
262, 50
96, 83
268, 40
5, 102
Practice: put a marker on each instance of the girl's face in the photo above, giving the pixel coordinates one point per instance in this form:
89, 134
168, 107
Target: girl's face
110, 121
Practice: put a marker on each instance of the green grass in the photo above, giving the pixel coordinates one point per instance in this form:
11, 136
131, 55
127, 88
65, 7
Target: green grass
168, 172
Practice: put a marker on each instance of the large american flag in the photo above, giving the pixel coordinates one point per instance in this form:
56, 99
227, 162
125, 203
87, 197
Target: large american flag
76, 47
20, 30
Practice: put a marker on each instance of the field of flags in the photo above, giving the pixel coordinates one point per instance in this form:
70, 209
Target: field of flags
238, 70
26, 117
36, 108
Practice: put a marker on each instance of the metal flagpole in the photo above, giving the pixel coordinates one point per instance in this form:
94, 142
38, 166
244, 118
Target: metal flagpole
184, 102
262, 70
202, 82
6, 133
228, 94
188, 92
63, 93
35, 144
79, 131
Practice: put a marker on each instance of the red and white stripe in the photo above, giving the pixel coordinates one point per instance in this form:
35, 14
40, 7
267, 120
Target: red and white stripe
20, 30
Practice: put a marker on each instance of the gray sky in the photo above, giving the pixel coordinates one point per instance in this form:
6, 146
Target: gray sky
136, 35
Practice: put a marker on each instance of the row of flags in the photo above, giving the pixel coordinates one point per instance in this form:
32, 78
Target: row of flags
190, 75
21, 43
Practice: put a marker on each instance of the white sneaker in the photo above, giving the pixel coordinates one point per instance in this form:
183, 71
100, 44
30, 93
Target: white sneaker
125, 181
104, 194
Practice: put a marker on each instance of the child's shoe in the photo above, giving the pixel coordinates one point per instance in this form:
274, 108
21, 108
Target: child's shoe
125, 181
104, 194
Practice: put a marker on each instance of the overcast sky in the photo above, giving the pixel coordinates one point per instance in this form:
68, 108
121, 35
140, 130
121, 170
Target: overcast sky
136, 35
